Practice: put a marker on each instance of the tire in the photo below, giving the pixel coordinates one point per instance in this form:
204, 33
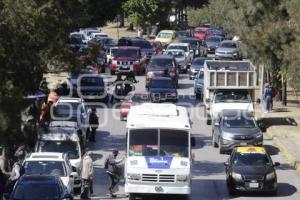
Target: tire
77, 191
221, 151
208, 121
231, 190
132, 196
214, 142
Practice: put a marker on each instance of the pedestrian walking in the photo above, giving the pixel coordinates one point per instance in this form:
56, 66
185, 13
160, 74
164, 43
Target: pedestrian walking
94, 123
113, 171
268, 95
87, 175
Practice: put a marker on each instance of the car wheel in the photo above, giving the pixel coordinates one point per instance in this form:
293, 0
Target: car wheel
77, 191
214, 142
273, 193
132, 196
221, 151
231, 190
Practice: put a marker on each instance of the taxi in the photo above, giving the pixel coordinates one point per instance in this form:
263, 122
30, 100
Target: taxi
166, 37
250, 168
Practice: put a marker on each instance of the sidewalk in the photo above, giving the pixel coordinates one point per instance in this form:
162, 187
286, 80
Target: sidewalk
283, 127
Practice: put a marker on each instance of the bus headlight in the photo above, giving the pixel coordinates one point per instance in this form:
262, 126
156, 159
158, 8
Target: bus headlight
134, 177
182, 178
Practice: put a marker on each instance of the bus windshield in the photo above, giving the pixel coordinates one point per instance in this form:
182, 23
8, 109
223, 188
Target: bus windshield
152, 142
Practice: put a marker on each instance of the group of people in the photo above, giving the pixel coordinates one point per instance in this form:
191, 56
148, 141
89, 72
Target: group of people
111, 166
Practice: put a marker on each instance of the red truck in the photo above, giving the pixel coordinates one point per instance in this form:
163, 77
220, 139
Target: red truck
201, 32
127, 59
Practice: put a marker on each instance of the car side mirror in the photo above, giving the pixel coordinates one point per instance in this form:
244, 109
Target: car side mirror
73, 174
193, 141
226, 164
276, 164
262, 126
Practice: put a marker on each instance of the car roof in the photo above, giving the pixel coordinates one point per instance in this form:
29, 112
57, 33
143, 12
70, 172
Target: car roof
129, 47
43, 156
167, 31
229, 41
188, 38
234, 112
251, 149
161, 78
69, 99
179, 44
162, 56
63, 136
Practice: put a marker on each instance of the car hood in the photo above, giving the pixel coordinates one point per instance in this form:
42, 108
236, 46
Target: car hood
162, 90
227, 49
252, 170
125, 58
242, 131
218, 107
92, 88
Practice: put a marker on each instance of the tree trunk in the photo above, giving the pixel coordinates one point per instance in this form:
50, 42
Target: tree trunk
122, 20
283, 95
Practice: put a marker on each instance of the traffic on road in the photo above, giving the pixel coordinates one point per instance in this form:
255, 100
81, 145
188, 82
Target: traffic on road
169, 118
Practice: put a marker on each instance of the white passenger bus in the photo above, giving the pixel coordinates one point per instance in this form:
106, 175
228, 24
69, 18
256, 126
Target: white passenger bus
158, 157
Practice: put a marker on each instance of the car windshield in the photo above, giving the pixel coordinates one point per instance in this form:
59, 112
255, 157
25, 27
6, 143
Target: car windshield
251, 159
176, 54
198, 62
53, 168
200, 31
142, 44
92, 81
36, 191
165, 35
162, 84
184, 48
228, 45
127, 53
144, 142
193, 43
161, 62
70, 147
213, 39
67, 111
232, 96
238, 121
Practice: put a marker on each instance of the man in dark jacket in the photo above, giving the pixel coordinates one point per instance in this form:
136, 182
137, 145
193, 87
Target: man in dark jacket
2, 183
94, 123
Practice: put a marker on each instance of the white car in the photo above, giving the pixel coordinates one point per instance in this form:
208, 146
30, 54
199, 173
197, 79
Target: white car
185, 47
63, 143
55, 164
180, 58
98, 35
110, 53
74, 110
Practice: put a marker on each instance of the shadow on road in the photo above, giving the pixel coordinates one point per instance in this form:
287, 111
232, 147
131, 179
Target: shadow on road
207, 168
272, 150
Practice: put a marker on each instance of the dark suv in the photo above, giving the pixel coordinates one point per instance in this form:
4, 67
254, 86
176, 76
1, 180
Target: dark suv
162, 89
235, 128
146, 47
162, 65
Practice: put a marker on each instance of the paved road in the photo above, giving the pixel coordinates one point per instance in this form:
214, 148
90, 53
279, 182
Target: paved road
208, 169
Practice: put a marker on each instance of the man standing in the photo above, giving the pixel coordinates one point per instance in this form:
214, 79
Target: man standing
87, 174
113, 171
268, 96
94, 123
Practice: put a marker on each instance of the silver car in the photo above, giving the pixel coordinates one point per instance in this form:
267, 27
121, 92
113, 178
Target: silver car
235, 128
227, 51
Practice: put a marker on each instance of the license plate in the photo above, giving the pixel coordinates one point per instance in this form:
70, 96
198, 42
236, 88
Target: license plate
253, 185
243, 144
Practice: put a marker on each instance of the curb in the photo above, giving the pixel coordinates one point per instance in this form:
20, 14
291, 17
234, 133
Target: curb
285, 151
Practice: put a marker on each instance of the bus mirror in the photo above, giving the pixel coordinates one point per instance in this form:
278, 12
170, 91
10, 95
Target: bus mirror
193, 141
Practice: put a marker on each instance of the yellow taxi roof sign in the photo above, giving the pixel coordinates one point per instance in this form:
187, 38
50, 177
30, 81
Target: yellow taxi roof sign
251, 149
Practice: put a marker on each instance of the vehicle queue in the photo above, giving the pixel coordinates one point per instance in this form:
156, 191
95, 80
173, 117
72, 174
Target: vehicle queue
60, 144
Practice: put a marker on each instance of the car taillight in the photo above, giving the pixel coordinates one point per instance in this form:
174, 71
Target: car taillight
125, 107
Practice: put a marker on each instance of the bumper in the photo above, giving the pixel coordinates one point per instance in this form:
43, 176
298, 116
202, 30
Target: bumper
228, 145
123, 114
157, 97
157, 188
260, 186
225, 56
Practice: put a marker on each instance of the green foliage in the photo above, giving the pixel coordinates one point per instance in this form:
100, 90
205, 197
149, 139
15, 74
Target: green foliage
142, 13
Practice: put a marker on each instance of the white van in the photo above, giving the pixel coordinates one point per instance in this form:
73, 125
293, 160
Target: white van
158, 153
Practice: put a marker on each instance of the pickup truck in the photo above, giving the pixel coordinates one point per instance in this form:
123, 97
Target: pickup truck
228, 85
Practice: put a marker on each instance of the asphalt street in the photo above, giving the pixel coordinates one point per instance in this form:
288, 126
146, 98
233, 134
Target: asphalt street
208, 169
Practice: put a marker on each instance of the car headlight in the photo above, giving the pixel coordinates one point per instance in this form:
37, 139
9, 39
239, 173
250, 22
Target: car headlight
236, 176
259, 135
226, 136
172, 74
270, 176
134, 177
182, 178
235, 53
